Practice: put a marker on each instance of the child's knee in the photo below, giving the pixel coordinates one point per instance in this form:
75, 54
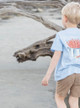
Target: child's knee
73, 102
60, 101
59, 97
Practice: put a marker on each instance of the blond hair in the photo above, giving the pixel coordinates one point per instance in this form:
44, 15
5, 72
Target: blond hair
72, 11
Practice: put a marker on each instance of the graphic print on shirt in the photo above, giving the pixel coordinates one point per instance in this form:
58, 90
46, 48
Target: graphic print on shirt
74, 47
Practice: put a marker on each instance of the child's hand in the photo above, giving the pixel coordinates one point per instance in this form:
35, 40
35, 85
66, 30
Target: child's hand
45, 81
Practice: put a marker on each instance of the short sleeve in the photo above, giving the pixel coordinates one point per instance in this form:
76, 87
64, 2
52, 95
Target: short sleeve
57, 44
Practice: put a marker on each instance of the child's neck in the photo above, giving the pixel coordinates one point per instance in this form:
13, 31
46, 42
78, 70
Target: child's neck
70, 25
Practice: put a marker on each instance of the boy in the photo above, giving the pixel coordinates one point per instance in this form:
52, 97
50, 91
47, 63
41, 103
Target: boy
66, 58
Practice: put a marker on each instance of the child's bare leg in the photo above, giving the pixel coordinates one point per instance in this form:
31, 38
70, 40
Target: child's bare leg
73, 102
60, 101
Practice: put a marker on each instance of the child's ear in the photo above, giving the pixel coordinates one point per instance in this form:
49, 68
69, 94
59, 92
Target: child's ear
65, 18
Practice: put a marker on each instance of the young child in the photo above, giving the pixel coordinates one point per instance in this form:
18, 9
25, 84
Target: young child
66, 58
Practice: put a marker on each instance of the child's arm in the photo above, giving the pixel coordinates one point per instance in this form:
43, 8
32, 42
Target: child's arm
52, 66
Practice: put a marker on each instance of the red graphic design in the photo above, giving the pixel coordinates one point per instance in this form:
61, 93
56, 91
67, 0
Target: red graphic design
74, 47
77, 56
74, 43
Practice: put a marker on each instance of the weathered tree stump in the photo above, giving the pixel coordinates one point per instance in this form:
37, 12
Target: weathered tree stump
40, 48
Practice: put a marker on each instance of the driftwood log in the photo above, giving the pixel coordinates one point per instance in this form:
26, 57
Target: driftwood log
40, 48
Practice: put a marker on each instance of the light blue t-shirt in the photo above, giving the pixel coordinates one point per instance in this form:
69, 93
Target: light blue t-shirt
68, 42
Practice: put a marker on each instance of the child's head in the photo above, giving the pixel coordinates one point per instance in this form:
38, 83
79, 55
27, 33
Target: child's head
71, 13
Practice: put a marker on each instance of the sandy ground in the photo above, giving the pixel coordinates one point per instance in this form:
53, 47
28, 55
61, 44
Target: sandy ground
22, 89
20, 84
